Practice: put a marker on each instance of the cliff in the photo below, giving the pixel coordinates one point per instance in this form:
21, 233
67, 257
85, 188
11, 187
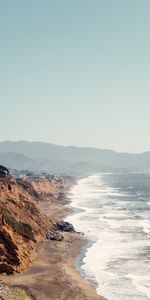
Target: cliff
23, 226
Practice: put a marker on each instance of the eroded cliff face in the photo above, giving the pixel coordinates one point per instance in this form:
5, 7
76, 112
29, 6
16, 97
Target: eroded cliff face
22, 226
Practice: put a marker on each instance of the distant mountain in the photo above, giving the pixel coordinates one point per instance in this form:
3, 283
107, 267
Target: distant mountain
15, 160
71, 160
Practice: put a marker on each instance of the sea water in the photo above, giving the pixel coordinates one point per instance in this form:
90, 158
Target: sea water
113, 210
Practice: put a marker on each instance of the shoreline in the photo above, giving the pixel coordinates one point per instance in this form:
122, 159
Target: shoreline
82, 254
53, 274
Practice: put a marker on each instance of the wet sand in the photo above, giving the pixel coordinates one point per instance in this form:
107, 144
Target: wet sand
53, 276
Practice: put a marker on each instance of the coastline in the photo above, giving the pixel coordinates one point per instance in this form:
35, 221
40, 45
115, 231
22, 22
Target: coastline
53, 275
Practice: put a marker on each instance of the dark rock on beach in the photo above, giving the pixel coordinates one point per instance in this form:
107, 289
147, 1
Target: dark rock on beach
54, 235
64, 226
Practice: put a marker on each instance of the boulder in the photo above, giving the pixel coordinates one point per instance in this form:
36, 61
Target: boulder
54, 235
64, 226
4, 172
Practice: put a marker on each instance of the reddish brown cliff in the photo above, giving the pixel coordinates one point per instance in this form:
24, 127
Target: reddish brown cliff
22, 226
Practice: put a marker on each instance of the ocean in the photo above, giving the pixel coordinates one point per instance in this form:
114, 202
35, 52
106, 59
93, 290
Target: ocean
113, 211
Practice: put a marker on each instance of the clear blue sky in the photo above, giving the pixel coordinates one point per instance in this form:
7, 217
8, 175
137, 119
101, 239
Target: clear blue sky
76, 72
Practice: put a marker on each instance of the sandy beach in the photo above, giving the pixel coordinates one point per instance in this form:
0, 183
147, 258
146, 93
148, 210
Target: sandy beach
53, 274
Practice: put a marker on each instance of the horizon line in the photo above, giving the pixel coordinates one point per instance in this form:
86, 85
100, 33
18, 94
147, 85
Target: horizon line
74, 146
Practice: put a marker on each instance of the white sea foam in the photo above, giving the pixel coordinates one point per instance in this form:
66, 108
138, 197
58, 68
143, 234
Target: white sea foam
118, 258
141, 283
146, 227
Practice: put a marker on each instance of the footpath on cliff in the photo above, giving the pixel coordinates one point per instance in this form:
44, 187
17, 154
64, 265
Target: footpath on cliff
46, 261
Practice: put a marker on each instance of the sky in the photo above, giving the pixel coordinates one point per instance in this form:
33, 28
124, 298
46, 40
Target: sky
76, 72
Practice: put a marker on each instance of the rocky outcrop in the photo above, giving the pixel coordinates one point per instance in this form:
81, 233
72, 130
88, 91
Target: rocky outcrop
64, 227
55, 233
4, 172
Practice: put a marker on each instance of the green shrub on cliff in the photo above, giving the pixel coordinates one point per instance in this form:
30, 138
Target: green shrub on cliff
20, 294
21, 228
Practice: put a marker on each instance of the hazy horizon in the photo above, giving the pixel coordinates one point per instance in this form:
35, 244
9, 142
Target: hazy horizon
76, 73
76, 146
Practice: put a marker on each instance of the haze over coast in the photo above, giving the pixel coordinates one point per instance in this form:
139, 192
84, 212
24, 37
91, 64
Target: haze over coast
47, 157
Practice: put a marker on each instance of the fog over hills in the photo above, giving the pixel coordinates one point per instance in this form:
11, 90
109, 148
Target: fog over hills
40, 156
